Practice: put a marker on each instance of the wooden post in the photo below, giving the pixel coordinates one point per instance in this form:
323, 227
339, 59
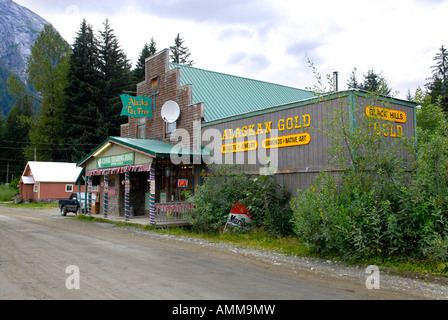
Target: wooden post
127, 191
106, 196
152, 196
89, 201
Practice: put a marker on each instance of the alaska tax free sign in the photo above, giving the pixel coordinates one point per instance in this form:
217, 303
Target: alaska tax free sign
136, 107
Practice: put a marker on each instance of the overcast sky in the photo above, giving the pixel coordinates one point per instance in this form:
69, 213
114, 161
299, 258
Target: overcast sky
270, 40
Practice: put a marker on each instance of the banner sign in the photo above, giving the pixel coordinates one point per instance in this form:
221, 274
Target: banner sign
239, 216
136, 106
116, 161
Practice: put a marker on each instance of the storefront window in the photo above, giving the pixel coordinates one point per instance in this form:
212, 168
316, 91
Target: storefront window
173, 182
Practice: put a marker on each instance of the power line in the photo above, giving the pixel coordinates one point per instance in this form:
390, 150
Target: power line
60, 143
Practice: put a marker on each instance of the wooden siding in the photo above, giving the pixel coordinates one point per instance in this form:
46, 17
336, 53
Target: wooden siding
52, 191
298, 166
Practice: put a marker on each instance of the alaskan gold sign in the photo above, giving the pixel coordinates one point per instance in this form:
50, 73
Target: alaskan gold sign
256, 129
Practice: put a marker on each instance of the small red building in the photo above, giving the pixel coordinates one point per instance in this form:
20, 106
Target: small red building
49, 180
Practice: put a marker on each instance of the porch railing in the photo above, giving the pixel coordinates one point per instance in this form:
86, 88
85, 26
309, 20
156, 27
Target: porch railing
172, 211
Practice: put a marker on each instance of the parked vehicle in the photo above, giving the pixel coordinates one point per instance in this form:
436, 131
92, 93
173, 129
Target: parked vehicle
74, 204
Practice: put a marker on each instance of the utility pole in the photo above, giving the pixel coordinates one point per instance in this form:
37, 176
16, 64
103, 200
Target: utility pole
7, 174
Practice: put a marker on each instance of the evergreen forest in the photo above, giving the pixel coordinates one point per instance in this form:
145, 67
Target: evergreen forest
71, 99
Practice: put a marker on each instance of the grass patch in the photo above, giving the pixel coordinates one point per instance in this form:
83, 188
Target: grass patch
31, 205
256, 239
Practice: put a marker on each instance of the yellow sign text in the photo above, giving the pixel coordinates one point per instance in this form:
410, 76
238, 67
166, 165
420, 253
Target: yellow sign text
291, 123
287, 141
386, 114
388, 130
242, 146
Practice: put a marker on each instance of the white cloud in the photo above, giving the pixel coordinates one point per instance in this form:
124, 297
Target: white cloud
268, 39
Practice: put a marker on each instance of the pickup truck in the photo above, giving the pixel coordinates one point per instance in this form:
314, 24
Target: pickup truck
74, 204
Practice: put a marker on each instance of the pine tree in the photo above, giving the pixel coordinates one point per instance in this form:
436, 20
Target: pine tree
16, 128
83, 96
139, 71
152, 47
376, 83
373, 82
352, 82
438, 87
147, 51
47, 73
179, 53
116, 77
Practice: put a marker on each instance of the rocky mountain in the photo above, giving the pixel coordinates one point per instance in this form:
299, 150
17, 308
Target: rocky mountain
19, 28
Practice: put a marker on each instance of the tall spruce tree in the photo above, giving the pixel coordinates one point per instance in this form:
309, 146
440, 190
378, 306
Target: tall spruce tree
352, 82
147, 51
373, 82
83, 96
116, 78
16, 129
179, 53
438, 87
47, 73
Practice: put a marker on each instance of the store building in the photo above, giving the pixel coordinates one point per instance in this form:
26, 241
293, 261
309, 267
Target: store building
222, 119
291, 136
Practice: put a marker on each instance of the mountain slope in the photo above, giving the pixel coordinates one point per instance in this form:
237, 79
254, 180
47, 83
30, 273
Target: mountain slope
19, 28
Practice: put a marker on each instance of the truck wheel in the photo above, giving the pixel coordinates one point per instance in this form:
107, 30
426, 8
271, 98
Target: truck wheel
63, 211
78, 211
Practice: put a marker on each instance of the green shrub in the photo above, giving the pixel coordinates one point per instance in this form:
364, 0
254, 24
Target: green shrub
223, 185
6, 193
391, 206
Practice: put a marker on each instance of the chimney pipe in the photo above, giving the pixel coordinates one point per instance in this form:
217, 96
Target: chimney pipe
335, 81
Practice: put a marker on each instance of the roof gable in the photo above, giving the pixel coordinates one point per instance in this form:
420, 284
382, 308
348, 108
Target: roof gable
226, 95
53, 171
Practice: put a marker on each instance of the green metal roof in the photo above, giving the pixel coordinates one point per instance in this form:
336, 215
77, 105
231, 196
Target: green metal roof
225, 95
152, 147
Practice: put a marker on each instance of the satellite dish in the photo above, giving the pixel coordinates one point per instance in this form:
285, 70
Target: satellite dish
170, 111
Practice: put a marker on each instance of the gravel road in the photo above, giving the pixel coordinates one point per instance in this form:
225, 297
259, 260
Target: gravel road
37, 246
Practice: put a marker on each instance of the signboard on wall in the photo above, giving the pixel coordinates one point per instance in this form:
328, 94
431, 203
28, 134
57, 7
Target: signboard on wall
115, 161
136, 107
182, 183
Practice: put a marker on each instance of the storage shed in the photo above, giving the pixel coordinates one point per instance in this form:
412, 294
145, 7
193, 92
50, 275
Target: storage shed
45, 181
